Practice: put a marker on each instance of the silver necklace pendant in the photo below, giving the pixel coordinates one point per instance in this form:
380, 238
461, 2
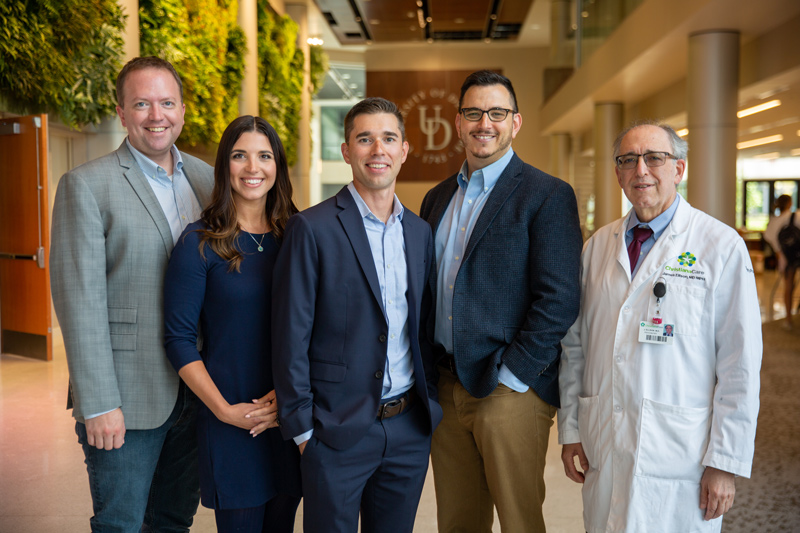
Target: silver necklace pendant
260, 248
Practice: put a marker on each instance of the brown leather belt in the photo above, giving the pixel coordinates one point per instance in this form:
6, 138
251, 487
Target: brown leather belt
396, 406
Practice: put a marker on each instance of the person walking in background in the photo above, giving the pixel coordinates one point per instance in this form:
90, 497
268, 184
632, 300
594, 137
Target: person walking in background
115, 222
785, 268
507, 242
220, 277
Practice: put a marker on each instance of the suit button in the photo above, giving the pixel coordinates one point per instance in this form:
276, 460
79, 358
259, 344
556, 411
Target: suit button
382, 338
379, 374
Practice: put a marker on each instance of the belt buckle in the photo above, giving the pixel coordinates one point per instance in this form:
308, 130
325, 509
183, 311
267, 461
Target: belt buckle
382, 414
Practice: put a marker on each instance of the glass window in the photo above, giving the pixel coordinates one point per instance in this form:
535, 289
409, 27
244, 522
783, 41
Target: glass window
758, 205
332, 132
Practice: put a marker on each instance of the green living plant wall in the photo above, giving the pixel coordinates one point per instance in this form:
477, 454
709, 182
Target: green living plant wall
60, 57
280, 73
203, 41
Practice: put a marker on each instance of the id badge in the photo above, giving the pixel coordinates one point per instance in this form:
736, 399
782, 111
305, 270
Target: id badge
656, 333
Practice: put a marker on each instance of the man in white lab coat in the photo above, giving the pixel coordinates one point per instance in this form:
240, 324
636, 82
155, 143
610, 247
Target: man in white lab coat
660, 424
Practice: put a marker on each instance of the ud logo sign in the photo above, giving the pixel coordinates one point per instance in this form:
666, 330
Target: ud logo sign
428, 101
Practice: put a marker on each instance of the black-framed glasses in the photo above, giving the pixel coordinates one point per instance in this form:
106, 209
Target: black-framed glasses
496, 114
651, 159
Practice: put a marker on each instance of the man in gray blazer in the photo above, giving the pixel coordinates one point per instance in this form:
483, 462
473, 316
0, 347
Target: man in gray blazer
507, 241
115, 221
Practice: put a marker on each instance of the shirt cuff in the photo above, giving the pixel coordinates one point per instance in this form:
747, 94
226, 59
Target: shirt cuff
507, 378
300, 439
99, 414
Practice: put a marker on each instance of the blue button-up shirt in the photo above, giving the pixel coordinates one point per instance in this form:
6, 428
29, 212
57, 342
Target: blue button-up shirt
658, 225
388, 247
452, 237
174, 193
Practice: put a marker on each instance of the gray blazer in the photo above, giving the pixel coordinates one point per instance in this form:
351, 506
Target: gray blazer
110, 244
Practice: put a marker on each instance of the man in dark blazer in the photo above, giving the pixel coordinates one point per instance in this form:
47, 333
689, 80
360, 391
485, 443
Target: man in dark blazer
353, 377
115, 221
507, 245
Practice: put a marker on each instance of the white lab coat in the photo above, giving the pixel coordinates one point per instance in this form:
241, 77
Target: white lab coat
651, 417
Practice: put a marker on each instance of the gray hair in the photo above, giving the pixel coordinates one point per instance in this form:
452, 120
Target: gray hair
679, 146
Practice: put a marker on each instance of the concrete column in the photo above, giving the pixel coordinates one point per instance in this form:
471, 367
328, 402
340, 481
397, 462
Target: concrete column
300, 172
607, 193
560, 157
248, 21
713, 85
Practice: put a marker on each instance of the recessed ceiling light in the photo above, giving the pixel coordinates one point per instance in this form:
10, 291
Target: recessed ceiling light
758, 108
374, 21
683, 133
796, 151
459, 21
759, 142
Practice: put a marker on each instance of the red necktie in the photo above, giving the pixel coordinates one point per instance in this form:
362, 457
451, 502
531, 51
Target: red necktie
640, 234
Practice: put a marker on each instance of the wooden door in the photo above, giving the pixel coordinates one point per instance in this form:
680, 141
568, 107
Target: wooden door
25, 317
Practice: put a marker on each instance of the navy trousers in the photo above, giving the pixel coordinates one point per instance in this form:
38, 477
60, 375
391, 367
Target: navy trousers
382, 476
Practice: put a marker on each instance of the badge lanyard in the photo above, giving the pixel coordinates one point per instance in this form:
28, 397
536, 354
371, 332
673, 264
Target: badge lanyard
656, 332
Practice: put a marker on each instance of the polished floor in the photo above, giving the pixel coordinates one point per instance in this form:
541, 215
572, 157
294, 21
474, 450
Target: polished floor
44, 488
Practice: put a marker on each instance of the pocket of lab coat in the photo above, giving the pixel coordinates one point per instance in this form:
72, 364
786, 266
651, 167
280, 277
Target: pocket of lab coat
684, 307
672, 441
589, 428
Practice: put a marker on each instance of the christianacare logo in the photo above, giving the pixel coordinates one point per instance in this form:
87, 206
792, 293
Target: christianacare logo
686, 259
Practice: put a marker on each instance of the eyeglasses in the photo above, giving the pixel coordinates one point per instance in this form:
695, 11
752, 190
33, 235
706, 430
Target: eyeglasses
651, 159
496, 114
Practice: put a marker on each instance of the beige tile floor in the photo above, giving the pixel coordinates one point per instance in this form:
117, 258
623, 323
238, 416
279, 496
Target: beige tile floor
43, 483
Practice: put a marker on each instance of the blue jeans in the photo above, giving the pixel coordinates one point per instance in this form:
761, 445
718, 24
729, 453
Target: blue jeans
151, 483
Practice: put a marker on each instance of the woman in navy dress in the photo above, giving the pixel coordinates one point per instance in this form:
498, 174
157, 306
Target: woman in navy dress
219, 278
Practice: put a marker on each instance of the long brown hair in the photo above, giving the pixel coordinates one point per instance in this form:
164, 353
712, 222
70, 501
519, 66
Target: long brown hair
222, 229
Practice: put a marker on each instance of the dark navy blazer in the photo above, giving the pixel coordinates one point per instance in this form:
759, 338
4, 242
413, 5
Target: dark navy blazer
518, 289
330, 331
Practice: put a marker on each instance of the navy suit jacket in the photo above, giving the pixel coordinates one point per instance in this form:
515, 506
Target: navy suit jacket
329, 341
517, 291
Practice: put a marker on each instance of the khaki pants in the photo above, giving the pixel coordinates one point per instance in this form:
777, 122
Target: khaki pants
490, 452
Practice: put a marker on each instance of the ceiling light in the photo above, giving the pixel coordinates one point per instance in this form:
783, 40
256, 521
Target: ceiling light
585, 14
770, 155
796, 151
315, 41
758, 108
374, 21
759, 142
429, 20
459, 21
683, 133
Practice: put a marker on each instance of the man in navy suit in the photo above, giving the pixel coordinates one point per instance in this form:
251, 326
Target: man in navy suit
507, 244
353, 378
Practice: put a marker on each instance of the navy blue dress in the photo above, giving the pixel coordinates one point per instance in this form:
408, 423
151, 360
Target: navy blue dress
233, 310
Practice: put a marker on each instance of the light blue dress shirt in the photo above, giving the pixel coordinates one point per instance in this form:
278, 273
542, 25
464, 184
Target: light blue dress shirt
174, 193
388, 246
452, 237
658, 225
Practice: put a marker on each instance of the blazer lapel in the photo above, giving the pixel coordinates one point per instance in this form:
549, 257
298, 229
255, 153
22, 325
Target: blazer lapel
508, 181
138, 182
441, 203
353, 225
202, 193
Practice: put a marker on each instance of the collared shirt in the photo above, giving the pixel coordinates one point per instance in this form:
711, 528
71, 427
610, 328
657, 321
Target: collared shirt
174, 193
452, 237
388, 248
658, 225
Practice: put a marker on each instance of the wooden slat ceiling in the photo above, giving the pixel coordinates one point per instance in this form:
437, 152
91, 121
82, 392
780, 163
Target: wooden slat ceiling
395, 21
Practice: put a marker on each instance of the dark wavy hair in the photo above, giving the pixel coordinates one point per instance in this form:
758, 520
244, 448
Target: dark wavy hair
222, 229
